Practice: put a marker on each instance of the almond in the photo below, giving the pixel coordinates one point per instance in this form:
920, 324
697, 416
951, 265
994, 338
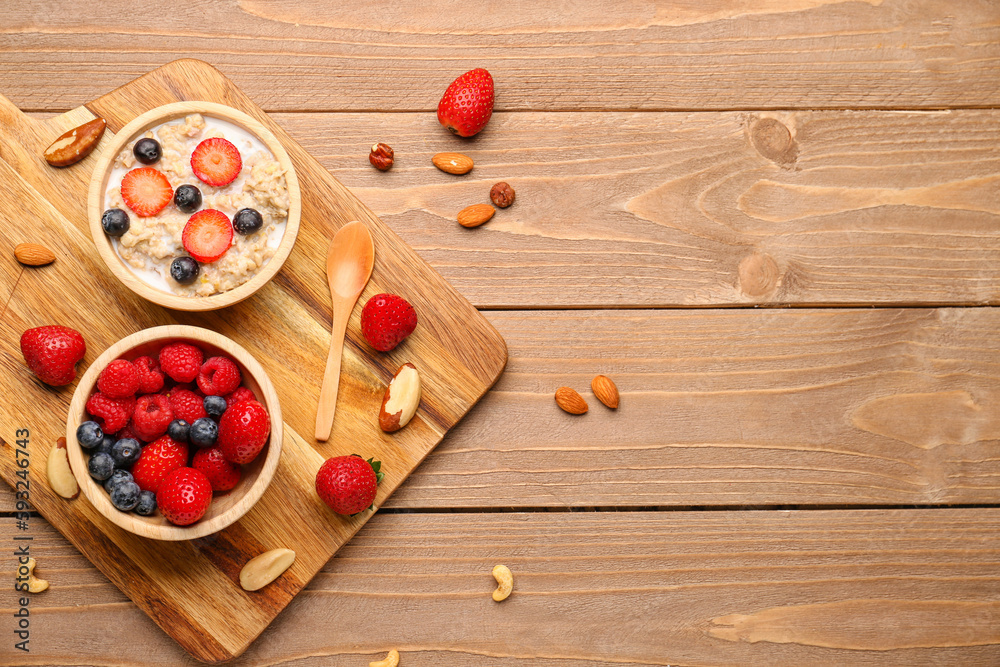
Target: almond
571, 401
32, 254
265, 568
475, 215
61, 479
401, 399
75, 144
453, 163
605, 391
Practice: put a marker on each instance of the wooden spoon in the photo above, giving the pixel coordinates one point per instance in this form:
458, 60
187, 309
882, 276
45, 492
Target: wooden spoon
348, 268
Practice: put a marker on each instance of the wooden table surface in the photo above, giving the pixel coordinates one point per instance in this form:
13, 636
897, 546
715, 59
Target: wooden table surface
776, 228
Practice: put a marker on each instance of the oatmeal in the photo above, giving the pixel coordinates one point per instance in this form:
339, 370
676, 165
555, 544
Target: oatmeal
157, 248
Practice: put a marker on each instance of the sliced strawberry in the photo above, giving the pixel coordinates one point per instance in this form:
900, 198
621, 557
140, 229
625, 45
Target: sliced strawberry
216, 161
146, 191
207, 235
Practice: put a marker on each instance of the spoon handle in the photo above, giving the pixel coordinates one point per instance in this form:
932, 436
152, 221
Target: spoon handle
331, 377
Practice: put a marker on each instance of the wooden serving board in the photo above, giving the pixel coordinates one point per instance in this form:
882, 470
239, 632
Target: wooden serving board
191, 589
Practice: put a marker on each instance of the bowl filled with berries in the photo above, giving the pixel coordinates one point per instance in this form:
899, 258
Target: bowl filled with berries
174, 432
194, 205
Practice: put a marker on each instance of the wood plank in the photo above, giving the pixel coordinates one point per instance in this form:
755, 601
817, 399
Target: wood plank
729, 408
692, 209
914, 587
683, 209
187, 586
734, 408
711, 54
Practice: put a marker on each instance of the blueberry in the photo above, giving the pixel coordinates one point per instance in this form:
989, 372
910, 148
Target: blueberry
184, 270
187, 198
247, 221
101, 466
115, 222
147, 151
89, 435
106, 444
117, 477
204, 432
214, 406
147, 503
125, 496
126, 452
178, 430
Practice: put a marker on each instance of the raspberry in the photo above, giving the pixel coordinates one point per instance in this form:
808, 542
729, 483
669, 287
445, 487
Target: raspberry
119, 379
187, 405
152, 416
243, 431
181, 361
240, 395
111, 414
218, 376
150, 375
127, 432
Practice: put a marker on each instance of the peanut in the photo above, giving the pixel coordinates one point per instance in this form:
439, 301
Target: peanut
265, 568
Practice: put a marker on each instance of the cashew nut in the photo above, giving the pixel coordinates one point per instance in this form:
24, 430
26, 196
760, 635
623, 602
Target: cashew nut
391, 660
505, 582
35, 585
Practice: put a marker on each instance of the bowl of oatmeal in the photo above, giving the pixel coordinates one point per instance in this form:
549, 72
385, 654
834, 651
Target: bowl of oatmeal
194, 205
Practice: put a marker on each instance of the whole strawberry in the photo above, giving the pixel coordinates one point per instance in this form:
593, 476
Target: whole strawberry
157, 460
223, 475
348, 484
184, 496
243, 431
468, 103
386, 320
52, 353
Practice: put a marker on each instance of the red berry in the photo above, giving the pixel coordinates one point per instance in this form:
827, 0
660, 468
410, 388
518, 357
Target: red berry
222, 474
146, 191
467, 105
184, 496
152, 416
52, 352
347, 484
127, 432
386, 320
111, 414
216, 162
207, 235
187, 405
181, 361
119, 379
243, 431
157, 460
150, 375
218, 376
238, 396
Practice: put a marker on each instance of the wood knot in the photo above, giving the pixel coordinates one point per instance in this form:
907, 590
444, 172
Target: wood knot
758, 274
774, 141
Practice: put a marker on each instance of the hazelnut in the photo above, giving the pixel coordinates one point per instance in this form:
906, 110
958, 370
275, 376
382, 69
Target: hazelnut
381, 157
502, 195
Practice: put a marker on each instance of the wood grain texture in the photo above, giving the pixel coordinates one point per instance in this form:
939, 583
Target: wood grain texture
733, 408
729, 408
187, 601
714, 54
684, 209
914, 587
